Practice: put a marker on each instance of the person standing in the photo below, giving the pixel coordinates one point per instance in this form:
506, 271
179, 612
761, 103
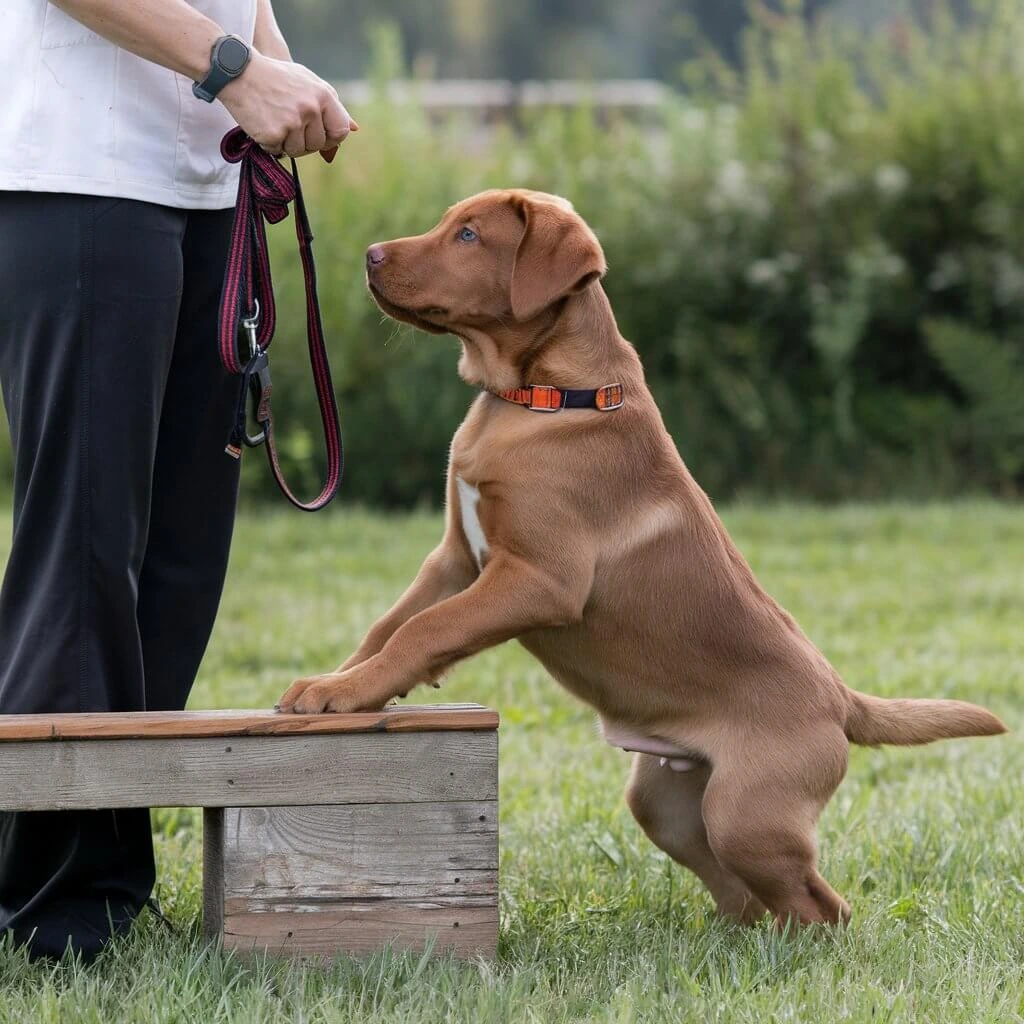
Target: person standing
115, 218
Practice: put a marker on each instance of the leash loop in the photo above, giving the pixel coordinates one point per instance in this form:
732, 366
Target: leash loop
248, 311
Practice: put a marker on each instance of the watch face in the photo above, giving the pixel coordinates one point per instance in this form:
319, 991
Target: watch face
232, 55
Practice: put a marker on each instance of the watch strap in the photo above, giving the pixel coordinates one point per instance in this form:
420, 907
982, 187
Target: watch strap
219, 75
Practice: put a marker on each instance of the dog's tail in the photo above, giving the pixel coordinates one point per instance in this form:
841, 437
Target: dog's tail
871, 721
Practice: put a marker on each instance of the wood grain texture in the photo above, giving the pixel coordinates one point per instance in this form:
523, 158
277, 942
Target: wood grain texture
317, 855
322, 881
173, 724
246, 771
360, 928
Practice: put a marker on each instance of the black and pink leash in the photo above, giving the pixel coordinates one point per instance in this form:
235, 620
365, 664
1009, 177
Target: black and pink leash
247, 309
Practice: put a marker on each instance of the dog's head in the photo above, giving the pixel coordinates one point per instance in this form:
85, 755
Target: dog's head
495, 264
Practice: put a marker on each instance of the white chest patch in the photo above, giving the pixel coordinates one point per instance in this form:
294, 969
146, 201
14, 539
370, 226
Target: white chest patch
469, 499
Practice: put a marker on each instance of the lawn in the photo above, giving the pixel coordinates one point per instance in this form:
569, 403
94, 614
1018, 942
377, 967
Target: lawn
598, 925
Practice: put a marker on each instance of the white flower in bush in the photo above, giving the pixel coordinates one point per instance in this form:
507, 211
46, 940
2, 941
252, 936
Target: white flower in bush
1008, 278
735, 190
948, 271
733, 180
694, 119
891, 264
771, 273
875, 261
764, 274
891, 180
835, 186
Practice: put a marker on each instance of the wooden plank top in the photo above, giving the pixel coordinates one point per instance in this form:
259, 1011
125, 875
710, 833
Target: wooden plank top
198, 724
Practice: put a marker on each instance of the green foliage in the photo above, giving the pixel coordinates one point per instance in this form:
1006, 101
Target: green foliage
821, 262
991, 377
778, 247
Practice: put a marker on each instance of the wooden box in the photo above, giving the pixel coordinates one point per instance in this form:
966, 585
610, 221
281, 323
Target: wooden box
323, 834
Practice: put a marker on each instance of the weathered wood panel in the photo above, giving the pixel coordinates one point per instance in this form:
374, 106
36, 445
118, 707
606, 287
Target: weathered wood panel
275, 855
317, 881
356, 929
170, 724
291, 882
358, 768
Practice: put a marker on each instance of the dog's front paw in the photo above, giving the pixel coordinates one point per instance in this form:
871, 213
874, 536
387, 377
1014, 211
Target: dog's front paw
329, 692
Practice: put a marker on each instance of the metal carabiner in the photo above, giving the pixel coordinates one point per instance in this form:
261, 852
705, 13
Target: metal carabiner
255, 384
250, 324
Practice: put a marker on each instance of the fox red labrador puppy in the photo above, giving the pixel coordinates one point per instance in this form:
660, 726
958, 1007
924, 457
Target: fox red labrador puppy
574, 526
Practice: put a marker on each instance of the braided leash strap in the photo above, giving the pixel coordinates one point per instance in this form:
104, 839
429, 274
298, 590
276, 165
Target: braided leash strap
247, 308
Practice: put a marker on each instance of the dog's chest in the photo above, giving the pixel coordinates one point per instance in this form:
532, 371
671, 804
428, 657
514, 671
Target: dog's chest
469, 509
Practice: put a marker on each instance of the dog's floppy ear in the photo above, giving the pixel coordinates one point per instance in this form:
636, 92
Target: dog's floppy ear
558, 255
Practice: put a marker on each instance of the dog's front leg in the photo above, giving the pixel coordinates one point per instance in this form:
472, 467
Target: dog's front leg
445, 572
509, 598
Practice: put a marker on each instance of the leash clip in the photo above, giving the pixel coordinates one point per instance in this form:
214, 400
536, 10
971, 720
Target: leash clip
249, 325
256, 383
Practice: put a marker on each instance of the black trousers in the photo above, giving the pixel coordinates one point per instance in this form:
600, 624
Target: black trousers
123, 509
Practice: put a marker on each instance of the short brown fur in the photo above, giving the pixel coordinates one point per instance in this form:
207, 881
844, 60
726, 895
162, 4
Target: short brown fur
608, 562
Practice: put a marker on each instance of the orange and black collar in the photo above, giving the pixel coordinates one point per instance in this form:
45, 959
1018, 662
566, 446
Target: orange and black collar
542, 398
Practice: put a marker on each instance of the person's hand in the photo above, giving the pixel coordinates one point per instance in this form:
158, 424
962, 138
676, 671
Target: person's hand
287, 109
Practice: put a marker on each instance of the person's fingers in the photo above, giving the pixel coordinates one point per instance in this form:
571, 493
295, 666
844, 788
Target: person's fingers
336, 135
271, 140
295, 143
316, 135
336, 119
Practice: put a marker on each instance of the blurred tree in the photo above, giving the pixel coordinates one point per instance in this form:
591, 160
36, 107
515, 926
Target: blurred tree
527, 39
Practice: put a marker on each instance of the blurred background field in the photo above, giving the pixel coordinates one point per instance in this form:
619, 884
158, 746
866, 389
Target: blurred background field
814, 222
818, 248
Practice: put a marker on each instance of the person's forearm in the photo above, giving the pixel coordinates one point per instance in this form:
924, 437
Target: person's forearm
167, 32
280, 104
268, 38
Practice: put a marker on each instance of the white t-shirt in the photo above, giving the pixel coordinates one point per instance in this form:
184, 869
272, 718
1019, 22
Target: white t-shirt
79, 114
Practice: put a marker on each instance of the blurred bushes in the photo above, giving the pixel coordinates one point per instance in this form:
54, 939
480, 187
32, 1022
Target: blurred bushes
821, 263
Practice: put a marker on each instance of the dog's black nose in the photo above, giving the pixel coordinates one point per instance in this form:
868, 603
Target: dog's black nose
375, 255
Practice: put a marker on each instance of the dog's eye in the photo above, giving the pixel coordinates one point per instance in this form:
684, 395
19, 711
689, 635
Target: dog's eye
467, 235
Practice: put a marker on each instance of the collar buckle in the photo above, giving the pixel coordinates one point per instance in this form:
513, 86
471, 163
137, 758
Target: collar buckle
610, 397
544, 398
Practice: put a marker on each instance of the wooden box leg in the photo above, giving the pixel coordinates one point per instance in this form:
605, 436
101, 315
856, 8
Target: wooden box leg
213, 873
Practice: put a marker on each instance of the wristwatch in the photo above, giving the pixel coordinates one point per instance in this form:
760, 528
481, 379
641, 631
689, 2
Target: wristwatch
228, 59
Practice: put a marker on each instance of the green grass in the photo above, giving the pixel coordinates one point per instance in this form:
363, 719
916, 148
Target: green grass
597, 925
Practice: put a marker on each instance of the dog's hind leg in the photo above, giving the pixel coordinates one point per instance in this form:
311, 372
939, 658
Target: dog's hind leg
667, 806
761, 815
